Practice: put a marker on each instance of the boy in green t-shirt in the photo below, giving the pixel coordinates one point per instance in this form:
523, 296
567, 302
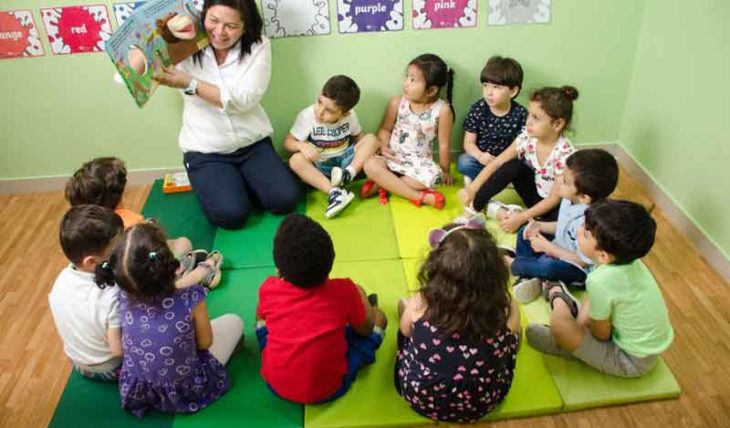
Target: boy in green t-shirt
623, 324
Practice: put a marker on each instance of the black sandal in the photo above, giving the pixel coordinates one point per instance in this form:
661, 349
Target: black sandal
565, 296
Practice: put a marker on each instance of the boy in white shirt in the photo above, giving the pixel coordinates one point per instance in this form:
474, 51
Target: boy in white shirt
328, 145
86, 314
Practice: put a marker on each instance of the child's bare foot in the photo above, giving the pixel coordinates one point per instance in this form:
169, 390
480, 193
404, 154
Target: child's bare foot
380, 320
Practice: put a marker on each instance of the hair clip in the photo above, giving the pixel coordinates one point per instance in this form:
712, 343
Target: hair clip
437, 236
105, 265
152, 255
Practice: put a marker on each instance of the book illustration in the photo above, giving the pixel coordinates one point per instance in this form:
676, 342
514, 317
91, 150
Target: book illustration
286, 18
124, 10
176, 183
77, 29
158, 33
444, 13
515, 12
357, 16
19, 35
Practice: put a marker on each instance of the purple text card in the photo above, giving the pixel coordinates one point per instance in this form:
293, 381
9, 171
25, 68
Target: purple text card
358, 16
444, 13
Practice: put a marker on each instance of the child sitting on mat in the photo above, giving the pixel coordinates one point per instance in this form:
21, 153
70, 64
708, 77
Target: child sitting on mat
460, 333
328, 145
315, 332
87, 315
548, 251
101, 181
623, 324
173, 353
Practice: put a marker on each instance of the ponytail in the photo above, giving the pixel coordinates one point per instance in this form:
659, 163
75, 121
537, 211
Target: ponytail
103, 275
450, 90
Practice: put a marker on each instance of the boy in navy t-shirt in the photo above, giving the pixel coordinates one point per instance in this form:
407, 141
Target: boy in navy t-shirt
495, 120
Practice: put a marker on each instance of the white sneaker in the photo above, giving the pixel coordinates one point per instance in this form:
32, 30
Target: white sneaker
527, 289
337, 201
340, 177
493, 208
467, 180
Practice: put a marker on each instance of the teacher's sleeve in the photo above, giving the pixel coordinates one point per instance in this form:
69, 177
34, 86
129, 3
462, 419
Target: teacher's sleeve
250, 85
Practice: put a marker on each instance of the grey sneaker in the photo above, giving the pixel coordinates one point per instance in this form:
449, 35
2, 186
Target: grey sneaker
540, 338
527, 289
340, 177
337, 201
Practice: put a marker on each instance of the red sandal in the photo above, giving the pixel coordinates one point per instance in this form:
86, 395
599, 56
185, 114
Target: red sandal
368, 189
439, 199
382, 196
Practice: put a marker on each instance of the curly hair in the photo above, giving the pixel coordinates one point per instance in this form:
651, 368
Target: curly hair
141, 263
464, 285
303, 251
100, 181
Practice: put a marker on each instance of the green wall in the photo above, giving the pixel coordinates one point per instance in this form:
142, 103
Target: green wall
677, 112
66, 109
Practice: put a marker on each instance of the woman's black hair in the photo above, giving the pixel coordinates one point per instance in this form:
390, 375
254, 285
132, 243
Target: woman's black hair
436, 73
252, 24
141, 263
464, 285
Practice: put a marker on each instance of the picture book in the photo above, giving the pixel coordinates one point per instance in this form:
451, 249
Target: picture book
176, 182
158, 33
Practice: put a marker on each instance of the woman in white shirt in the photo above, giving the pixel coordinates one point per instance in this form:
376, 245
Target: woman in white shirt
225, 136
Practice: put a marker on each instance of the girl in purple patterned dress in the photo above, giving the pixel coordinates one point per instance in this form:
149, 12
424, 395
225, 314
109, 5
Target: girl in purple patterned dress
459, 335
171, 361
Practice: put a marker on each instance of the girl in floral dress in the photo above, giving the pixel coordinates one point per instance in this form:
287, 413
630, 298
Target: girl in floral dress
532, 163
173, 354
459, 335
411, 124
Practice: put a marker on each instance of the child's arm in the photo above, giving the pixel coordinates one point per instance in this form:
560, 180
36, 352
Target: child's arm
412, 312
471, 149
540, 244
467, 194
600, 329
446, 123
114, 339
513, 221
308, 150
386, 126
367, 326
203, 329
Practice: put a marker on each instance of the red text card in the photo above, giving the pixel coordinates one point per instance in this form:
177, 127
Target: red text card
77, 29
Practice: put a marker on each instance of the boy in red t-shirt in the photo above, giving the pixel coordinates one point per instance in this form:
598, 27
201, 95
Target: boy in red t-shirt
315, 332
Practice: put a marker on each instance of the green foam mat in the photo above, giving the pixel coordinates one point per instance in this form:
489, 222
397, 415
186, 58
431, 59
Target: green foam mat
372, 400
251, 246
93, 404
363, 231
249, 402
582, 386
181, 215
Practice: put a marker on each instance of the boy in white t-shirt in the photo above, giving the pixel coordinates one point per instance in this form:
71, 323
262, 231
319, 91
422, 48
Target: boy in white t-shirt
328, 145
86, 314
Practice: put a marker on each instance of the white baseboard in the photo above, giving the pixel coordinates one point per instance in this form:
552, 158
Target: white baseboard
56, 183
672, 211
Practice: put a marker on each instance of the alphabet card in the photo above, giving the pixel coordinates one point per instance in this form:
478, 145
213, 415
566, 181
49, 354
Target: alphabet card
77, 29
515, 12
444, 13
286, 18
123, 10
357, 16
19, 35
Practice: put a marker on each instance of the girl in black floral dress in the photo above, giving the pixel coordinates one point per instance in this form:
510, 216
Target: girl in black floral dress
459, 334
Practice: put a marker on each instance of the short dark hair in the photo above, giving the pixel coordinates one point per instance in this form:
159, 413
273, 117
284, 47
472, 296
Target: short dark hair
623, 229
141, 263
595, 171
303, 251
343, 91
100, 181
87, 230
503, 71
464, 284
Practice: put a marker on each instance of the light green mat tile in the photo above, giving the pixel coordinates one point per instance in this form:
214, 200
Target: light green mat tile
249, 402
372, 400
363, 231
582, 387
251, 246
412, 224
533, 391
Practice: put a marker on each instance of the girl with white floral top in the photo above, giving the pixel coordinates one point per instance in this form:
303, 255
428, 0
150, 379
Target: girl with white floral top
532, 162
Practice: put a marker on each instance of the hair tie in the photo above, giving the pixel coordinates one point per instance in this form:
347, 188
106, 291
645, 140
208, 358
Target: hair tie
152, 255
437, 236
105, 265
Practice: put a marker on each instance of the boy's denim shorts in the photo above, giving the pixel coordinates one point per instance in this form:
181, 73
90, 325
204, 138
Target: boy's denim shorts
342, 160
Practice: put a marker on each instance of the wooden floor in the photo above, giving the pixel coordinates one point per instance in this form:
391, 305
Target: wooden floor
33, 368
